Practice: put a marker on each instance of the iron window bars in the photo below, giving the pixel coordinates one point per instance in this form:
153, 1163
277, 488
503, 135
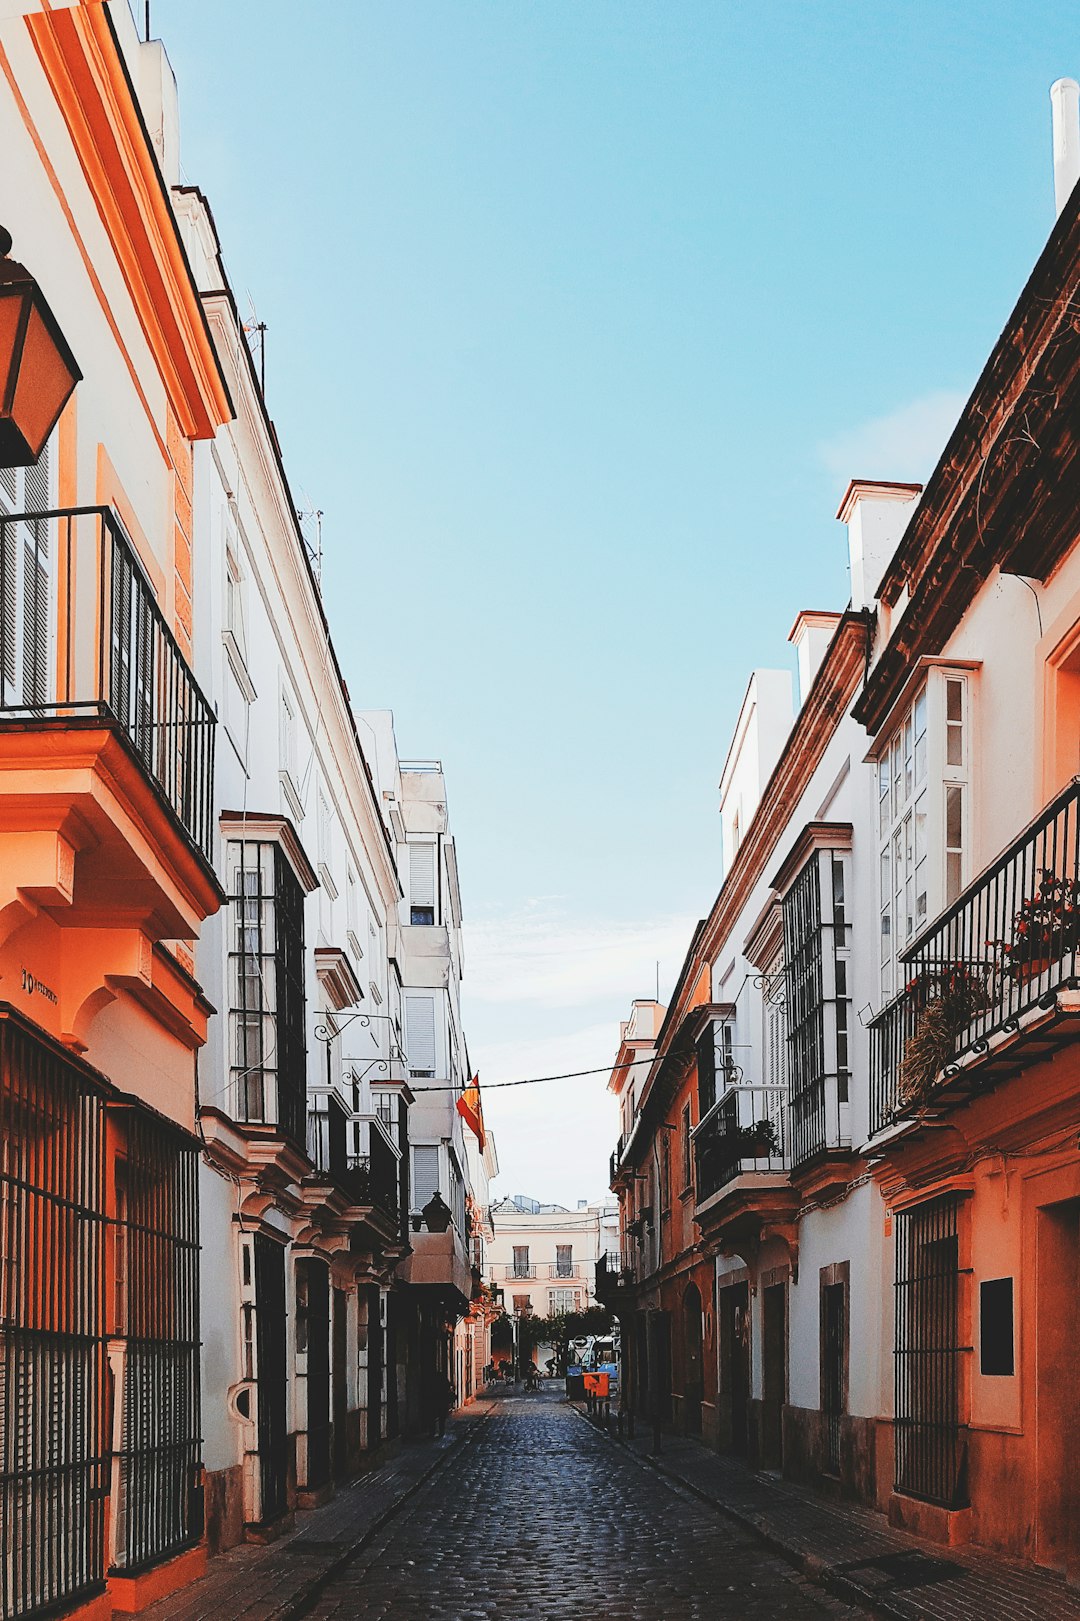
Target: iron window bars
53, 1469
82, 636
1010, 941
267, 997
98, 1267
157, 1509
931, 1451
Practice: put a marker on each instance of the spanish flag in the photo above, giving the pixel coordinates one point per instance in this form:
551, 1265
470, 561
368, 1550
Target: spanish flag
471, 1110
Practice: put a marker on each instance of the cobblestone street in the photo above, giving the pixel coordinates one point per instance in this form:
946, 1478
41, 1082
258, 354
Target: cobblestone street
538, 1518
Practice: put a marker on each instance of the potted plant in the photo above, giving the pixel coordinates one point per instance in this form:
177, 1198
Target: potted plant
1046, 926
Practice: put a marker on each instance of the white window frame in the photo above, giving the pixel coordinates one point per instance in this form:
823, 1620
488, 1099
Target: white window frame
923, 813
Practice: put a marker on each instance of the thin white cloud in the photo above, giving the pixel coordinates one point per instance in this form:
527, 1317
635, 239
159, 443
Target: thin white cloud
903, 445
539, 955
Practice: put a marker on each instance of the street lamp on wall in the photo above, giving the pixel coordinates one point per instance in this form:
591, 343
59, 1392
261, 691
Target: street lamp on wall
38, 372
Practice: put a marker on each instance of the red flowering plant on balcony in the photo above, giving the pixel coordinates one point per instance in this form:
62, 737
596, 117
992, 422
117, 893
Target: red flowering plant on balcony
945, 997
1046, 926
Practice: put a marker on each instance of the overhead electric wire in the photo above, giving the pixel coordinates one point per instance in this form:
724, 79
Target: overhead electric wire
538, 1080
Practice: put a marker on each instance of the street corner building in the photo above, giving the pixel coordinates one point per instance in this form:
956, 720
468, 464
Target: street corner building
242, 1216
848, 1165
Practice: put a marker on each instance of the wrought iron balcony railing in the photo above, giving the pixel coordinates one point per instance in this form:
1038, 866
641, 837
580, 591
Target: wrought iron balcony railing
1007, 945
370, 1179
744, 1133
616, 1272
81, 635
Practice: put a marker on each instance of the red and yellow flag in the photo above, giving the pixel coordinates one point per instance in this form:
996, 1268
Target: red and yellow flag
471, 1110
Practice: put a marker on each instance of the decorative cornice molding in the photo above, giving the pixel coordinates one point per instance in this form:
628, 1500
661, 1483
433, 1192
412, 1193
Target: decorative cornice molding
85, 68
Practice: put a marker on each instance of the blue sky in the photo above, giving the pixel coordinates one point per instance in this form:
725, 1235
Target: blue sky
580, 316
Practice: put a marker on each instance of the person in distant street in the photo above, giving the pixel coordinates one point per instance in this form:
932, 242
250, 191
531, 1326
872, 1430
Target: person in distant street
444, 1400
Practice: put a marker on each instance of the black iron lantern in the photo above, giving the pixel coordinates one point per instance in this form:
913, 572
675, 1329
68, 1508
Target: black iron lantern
37, 369
436, 1214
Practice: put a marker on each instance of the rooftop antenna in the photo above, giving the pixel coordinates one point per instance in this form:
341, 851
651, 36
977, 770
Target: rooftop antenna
255, 332
314, 551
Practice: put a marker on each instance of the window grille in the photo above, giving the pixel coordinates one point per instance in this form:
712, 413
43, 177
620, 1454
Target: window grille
52, 1319
930, 1438
266, 962
817, 1002
158, 1504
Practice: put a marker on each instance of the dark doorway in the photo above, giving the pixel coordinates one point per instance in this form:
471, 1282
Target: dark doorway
1057, 1408
393, 1421
774, 1371
375, 1366
340, 1384
693, 1362
641, 1362
313, 1342
271, 1376
660, 1366
734, 1314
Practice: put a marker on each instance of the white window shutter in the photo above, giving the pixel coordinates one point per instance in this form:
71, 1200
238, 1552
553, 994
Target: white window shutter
425, 1175
420, 1034
422, 875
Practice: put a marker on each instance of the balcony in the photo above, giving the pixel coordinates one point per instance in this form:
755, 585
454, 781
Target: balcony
991, 985
367, 1181
83, 641
743, 1134
553, 1270
615, 1273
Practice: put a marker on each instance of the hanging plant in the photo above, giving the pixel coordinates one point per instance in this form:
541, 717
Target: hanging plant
950, 997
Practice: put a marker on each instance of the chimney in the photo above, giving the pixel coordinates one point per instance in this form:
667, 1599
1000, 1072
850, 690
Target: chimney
811, 635
876, 514
1065, 113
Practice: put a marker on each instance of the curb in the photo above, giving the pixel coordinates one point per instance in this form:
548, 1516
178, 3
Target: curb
301, 1602
809, 1565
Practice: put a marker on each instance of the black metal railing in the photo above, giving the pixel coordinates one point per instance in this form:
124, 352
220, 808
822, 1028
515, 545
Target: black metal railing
1009, 942
369, 1180
53, 1466
81, 634
745, 1133
616, 1271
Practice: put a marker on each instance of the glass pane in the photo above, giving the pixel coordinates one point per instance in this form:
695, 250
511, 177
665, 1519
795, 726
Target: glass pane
954, 745
952, 877
920, 714
954, 700
920, 828
954, 803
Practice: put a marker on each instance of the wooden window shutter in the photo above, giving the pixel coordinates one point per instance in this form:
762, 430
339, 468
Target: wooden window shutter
425, 1175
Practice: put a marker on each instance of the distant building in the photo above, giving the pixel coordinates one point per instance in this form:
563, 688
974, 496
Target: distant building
543, 1256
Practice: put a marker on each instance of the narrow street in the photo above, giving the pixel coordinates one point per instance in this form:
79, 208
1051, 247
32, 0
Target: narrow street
539, 1518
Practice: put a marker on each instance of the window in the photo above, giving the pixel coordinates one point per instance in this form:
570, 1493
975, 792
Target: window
922, 817
564, 1260
326, 833
930, 1454
522, 1305
521, 1261
716, 1068
425, 1177
421, 883
420, 1036
665, 1168
235, 606
266, 986
687, 1157
25, 596
817, 1003
563, 1300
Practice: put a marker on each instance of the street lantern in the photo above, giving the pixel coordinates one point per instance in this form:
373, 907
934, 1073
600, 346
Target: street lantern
436, 1214
37, 369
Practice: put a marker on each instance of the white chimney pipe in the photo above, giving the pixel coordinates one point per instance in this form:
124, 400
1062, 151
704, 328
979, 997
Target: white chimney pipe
1065, 105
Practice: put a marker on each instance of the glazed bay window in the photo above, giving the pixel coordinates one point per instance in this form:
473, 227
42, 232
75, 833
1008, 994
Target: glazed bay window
817, 947
268, 1056
923, 816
